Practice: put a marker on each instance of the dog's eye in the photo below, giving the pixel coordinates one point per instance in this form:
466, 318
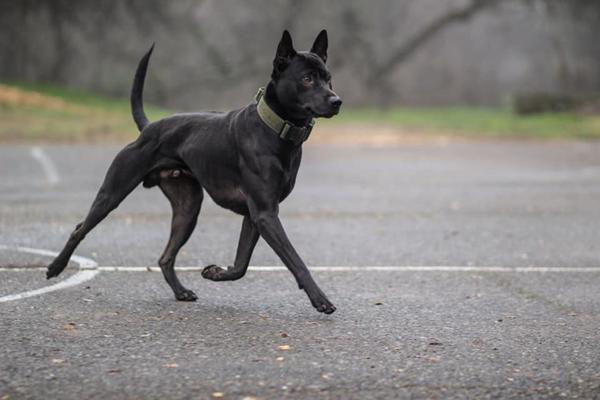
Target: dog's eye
307, 79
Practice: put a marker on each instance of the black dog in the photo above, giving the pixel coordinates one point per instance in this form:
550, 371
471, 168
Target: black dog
247, 161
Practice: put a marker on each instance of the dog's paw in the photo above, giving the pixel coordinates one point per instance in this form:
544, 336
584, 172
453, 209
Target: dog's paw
214, 273
186, 295
324, 306
320, 301
55, 268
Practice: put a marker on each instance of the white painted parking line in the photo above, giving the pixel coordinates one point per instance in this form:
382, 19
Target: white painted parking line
47, 165
87, 266
83, 262
89, 269
373, 268
341, 268
73, 280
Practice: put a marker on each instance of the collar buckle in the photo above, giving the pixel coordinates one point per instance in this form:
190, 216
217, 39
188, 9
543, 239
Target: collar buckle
296, 134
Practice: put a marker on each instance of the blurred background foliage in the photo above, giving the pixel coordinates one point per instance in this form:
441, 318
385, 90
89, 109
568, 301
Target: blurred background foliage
454, 66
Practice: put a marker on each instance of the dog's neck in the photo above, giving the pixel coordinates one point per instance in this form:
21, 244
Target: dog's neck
274, 103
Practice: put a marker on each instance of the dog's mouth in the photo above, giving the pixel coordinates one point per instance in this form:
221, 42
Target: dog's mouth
328, 114
331, 113
310, 110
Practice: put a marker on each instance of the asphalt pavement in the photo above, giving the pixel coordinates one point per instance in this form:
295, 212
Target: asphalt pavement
478, 267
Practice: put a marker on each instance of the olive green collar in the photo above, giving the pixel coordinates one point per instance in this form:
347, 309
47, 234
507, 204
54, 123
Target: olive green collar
282, 128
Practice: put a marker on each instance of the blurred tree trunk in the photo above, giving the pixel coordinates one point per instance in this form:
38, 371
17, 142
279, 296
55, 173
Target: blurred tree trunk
378, 75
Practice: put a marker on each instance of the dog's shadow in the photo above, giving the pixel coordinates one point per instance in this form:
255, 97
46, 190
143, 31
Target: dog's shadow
246, 312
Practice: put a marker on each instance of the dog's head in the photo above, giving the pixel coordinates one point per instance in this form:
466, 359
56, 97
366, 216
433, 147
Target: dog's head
302, 81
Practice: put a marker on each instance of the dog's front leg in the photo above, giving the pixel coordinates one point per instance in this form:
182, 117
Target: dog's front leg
247, 242
272, 231
262, 178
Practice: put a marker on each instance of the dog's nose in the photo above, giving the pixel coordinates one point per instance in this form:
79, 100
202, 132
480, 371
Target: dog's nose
335, 101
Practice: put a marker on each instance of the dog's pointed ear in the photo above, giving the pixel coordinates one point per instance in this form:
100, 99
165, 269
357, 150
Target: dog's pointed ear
285, 52
319, 47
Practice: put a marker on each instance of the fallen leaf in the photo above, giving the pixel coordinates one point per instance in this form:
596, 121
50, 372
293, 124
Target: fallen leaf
217, 394
284, 347
69, 326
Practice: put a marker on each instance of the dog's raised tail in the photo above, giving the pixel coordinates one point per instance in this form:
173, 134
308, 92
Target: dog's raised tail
137, 90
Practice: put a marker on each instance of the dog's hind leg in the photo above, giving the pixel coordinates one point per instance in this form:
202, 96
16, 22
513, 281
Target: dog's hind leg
126, 171
185, 195
248, 238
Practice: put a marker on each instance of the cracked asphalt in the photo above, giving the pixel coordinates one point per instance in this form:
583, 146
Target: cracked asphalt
396, 334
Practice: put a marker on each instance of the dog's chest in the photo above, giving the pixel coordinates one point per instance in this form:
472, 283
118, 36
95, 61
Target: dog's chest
231, 197
287, 183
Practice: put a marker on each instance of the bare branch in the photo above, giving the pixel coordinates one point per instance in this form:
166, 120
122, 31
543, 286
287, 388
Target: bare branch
426, 34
